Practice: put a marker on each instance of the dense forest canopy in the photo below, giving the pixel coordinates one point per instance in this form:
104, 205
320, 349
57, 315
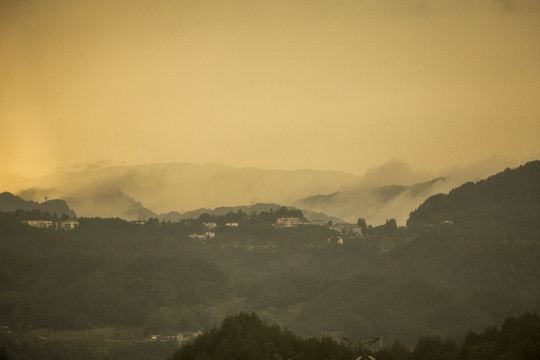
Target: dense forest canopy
518, 338
245, 336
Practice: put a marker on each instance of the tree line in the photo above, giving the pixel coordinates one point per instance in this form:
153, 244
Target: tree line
246, 336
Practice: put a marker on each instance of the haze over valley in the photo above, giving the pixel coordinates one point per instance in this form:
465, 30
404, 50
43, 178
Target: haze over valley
269, 179
391, 190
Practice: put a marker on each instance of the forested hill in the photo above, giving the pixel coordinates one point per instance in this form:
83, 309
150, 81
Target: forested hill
246, 336
508, 202
10, 202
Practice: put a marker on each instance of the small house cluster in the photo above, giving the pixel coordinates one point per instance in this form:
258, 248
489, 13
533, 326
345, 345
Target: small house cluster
180, 337
210, 234
50, 224
342, 228
206, 235
289, 222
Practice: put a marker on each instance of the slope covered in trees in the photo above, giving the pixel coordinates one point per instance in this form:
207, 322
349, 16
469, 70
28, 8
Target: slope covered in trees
247, 337
504, 205
518, 338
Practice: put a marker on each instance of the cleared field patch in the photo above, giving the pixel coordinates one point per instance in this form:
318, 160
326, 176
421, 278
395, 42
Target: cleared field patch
97, 340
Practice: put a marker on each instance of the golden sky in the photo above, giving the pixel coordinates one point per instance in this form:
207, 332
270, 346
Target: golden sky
342, 84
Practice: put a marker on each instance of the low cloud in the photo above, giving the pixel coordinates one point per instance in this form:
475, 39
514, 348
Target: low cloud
394, 172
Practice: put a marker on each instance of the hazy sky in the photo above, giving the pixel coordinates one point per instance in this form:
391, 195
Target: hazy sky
343, 85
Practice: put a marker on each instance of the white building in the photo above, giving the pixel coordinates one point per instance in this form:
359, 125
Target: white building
204, 236
69, 224
41, 224
49, 224
287, 222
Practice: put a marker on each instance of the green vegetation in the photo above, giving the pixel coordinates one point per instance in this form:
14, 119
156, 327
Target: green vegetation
505, 206
441, 275
94, 344
246, 337
517, 339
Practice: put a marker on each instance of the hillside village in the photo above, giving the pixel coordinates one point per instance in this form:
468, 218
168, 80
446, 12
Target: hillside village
286, 223
283, 218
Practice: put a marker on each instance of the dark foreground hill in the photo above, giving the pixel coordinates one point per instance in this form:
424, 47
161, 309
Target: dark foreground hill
518, 338
245, 336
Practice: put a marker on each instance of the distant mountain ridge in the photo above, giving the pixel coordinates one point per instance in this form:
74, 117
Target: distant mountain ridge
259, 207
178, 187
132, 209
391, 190
394, 189
374, 204
111, 203
10, 202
